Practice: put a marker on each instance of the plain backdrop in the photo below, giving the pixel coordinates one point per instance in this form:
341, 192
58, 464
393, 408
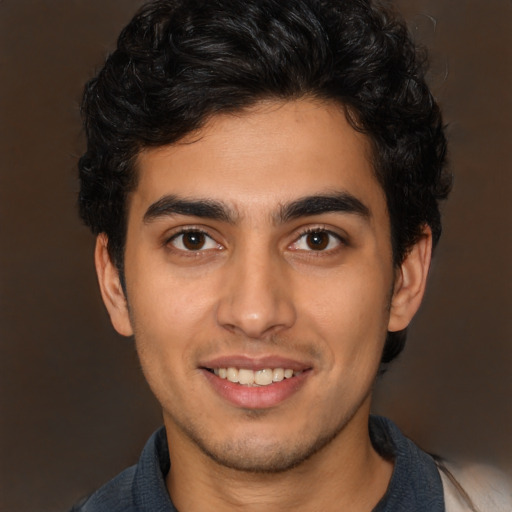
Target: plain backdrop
75, 409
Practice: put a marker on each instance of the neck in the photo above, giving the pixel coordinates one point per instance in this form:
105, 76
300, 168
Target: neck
347, 474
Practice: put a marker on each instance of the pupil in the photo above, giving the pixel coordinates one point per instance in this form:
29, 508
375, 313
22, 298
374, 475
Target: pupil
193, 241
317, 241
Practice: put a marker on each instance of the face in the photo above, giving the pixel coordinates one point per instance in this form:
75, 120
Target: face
260, 283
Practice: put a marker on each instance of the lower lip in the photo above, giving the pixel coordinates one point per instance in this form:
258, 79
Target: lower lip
256, 397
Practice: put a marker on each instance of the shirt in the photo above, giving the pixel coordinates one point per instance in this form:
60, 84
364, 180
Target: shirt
415, 483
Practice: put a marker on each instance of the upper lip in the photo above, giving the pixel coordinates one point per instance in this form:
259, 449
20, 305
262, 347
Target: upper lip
254, 363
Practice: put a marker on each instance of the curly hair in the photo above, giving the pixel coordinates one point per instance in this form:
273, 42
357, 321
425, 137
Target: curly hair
180, 62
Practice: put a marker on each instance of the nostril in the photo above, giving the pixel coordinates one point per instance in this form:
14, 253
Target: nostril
230, 327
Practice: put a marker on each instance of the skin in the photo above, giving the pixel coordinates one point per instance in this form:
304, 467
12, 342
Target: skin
256, 288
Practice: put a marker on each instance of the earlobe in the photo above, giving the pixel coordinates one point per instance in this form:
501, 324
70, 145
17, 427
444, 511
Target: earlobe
410, 283
111, 289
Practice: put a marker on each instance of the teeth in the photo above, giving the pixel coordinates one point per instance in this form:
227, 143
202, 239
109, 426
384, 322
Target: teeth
248, 377
245, 377
278, 375
231, 374
263, 377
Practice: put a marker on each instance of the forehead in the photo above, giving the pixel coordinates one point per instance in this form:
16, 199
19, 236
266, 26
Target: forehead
263, 157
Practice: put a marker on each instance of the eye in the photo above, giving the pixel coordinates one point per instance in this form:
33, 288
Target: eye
193, 240
317, 240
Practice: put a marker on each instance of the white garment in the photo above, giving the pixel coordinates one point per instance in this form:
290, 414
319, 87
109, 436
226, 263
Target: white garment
489, 489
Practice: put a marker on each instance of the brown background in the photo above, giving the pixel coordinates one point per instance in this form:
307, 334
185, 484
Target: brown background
74, 406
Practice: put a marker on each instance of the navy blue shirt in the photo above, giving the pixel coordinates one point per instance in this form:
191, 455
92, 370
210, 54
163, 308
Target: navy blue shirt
415, 485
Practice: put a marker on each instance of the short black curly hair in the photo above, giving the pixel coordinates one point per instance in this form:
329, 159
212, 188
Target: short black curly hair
179, 62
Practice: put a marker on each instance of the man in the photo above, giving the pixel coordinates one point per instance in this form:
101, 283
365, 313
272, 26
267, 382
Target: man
263, 179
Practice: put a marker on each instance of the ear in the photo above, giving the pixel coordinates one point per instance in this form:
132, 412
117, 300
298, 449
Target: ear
410, 283
111, 289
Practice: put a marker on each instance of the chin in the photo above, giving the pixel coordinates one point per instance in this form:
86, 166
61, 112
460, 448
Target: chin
264, 456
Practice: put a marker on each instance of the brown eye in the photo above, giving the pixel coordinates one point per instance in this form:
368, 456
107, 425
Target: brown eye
318, 240
321, 240
194, 240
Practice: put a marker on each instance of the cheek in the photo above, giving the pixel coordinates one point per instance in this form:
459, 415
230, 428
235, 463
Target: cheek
351, 315
165, 297
171, 315
168, 318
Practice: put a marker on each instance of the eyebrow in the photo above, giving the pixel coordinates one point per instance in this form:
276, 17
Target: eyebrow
170, 205
325, 203
308, 206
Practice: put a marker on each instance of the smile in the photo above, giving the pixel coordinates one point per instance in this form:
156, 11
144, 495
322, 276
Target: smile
250, 384
248, 377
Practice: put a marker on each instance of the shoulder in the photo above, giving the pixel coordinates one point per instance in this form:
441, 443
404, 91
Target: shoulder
489, 489
115, 496
415, 483
140, 487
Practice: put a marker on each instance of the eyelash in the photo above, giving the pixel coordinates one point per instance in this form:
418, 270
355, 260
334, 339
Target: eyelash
209, 240
324, 231
169, 241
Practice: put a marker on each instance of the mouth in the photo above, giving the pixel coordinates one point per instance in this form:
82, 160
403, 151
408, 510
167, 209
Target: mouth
254, 378
256, 382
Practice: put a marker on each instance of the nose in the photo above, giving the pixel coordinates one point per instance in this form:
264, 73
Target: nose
257, 296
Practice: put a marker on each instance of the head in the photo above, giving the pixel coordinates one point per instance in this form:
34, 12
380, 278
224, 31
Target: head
264, 178
181, 62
